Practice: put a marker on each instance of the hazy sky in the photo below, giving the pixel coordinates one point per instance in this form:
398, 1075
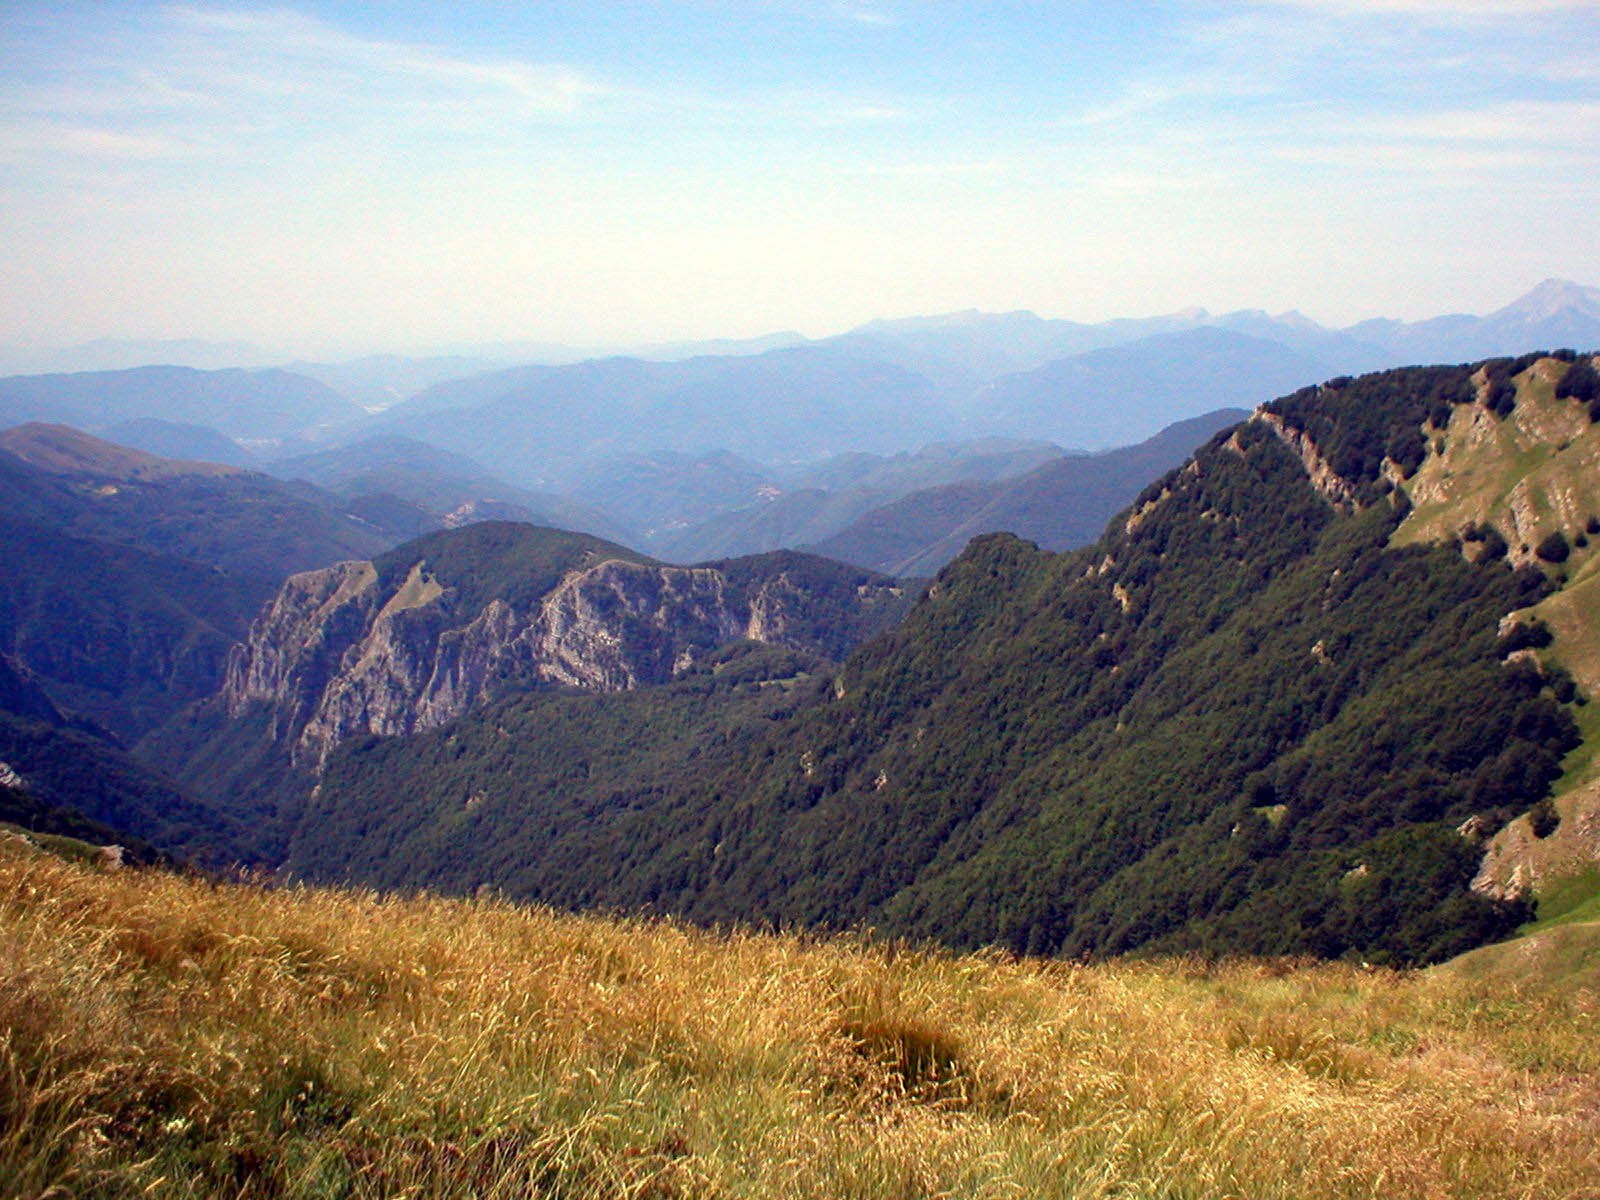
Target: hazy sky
342, 177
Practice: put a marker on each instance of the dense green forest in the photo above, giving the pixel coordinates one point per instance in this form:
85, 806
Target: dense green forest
527, 795
1239, 722
20, 811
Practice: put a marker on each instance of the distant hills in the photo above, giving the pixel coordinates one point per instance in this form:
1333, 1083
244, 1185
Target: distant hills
235, 520
120, 354
551, 426
530, 424
647, 448
806, 503
240, 404
175, 439
1061, 505
1126, 393
382, 380
443, 489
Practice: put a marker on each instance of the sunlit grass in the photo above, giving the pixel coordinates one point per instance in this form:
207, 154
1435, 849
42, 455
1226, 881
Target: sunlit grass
162, 1036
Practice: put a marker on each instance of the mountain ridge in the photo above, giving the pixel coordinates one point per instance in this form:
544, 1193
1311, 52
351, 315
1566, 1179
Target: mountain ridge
262, 404
441, 625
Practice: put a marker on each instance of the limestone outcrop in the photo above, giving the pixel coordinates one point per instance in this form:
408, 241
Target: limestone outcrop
338, 653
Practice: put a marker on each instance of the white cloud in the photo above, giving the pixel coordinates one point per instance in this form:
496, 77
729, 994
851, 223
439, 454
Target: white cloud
1158, 182
209, 80
1419, 160
1564, 122
18, 142
324, 53
873, 112
1571, 69
1174, 92
861, 12
1291, 82
920, 169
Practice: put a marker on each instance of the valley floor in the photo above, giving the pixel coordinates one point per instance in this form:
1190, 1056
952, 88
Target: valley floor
166, 1036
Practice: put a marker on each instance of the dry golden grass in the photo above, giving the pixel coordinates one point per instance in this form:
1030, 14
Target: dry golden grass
163, 1037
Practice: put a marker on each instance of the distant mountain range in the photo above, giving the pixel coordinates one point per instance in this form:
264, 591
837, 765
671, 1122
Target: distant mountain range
705, 448
240, 404
1061, 505
541, 425
958, 351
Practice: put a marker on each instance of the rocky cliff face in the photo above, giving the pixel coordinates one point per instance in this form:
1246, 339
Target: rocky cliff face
338, 653
1338, 491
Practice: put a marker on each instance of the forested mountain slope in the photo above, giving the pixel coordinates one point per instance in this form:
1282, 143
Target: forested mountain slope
1242, 721
114, 633
63, 775
129, 579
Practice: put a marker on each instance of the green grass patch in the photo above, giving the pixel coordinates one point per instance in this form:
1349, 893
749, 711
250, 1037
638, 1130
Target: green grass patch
1568, 900
69, 848
1579, 761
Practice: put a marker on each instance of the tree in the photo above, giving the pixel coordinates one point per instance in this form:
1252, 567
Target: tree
1554, 548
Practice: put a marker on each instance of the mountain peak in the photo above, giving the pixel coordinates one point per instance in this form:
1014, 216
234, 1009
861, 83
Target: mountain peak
1551, 298
1295, 319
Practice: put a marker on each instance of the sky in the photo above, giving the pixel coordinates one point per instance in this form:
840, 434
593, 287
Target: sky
334, 178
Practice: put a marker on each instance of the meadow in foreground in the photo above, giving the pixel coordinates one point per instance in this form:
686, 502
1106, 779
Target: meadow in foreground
164, 1036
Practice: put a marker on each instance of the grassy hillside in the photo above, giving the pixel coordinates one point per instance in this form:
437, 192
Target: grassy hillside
169, 1037
1518, 473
